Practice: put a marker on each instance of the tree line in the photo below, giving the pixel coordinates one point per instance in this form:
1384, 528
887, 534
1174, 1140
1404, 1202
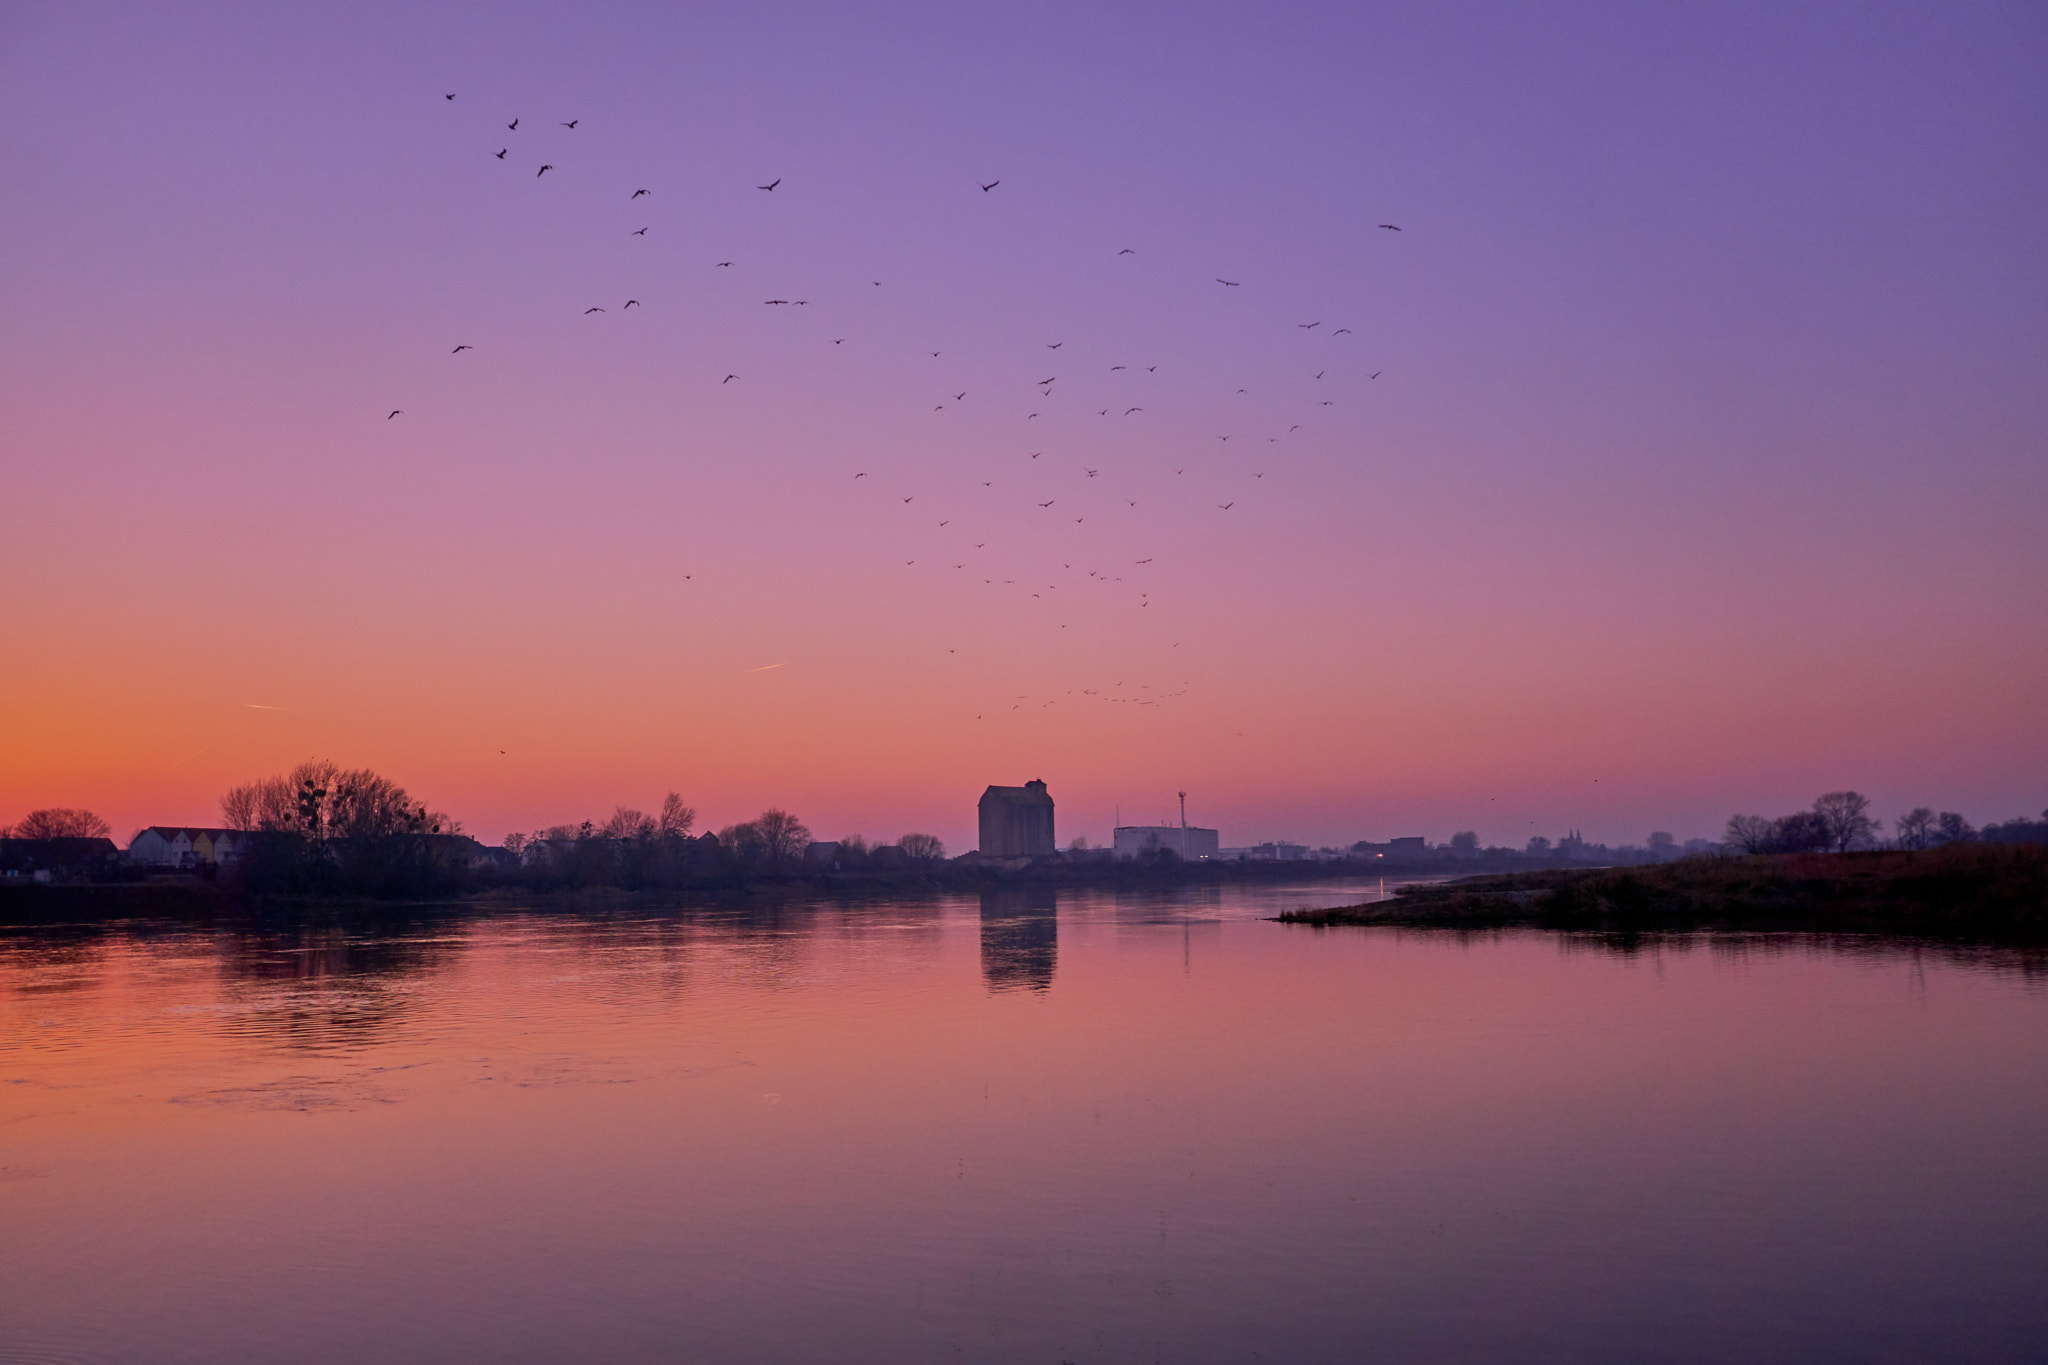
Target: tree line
1841, 822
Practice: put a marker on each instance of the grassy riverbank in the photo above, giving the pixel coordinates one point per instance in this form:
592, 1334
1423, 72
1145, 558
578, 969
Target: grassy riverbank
1985, 891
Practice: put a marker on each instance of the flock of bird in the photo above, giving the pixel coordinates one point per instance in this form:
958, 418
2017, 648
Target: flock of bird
1137, 381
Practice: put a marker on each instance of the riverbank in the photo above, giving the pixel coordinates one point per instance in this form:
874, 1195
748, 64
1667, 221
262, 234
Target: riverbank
1968, 891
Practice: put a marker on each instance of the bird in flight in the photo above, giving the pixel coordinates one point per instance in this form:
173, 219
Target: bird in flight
934, 353
984, 188
1048, 381
631, 303
1129, 411
728, 379
542, 171
1375, 374
1340, 331
1226, 506
460, 349
1390, 227
1048, 502
839, 341
772, 302
639, 232
1115, 368
513, 125
1308, 326
447, 97
862, 475
771, 184
723, 264
1127, 252
501, 153
911, 496
1054, 345
1142, 561
1093, 472
635, 195
1036, 453
588, 311
571, 124
958, 396
394, 412
1295, 427
1320, 373
1232, 283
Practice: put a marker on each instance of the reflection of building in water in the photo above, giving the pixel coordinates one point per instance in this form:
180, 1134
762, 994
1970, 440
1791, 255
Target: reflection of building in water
1016, 822
1020, 933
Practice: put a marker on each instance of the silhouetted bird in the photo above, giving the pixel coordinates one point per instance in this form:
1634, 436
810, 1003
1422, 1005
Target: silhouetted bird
394, 413
639, 232
542, 171
501, 154
1048, 381
460, 349
984, 188
862, 475
635, 195
1340, 331
728, 379
1226, 506
911, 496
571, 124
958, 396
1390, 227
1308, 326
1048, 502
1375, 374
1129, 411
447, 97
513, 125
1054, 345
1232, 283
771, 184
1146, 560
1126, 252
588, 311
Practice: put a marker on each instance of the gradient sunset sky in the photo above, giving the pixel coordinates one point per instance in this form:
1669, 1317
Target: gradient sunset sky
1704, 469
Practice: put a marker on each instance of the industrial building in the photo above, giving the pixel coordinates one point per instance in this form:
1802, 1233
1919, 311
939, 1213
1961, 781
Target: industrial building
1184, 841
1016, 822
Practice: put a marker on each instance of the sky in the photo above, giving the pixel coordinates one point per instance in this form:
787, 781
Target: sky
1681, 453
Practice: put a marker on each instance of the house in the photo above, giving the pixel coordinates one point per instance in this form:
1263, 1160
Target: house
1016, 822
186, 846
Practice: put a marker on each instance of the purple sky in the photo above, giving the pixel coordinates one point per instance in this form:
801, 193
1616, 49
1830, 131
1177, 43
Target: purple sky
1705, 460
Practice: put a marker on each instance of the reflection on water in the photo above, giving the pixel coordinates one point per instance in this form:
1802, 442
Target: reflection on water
1020, 938
1092, 1127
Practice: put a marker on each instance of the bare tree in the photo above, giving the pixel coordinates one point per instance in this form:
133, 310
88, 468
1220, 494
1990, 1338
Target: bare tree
1750, 833
677, 819
627, 824
923, 848
61, 822
240, 807
1846, 817
1954, 828
783, 837
1916, 828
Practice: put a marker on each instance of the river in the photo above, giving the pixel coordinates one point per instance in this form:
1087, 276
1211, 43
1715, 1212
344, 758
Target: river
1015, 1128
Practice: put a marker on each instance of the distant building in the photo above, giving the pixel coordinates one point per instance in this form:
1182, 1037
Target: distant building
1279, 851
1016, 822
185, 846
1132, 841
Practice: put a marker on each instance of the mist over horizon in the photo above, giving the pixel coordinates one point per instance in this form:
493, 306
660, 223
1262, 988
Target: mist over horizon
1675, 453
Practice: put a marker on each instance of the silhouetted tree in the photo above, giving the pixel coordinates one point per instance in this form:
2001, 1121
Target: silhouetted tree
1846, 818
1915, 829
1465, 841
676, 819
1662, 845
1538, 844
922, 848
1954, 829
59, 822
627, 824
1750, 833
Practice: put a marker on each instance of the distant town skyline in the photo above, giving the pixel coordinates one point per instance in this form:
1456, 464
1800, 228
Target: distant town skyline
1374, 421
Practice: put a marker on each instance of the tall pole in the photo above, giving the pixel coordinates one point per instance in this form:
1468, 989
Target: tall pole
1183, 826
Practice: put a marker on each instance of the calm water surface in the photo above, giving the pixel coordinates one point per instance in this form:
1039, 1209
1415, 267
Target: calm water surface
1107, 1129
